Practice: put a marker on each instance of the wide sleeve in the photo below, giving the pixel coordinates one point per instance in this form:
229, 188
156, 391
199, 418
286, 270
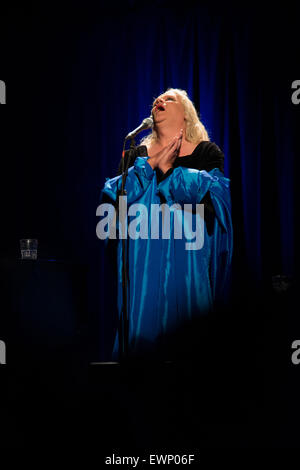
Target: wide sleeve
138, 180
189, 186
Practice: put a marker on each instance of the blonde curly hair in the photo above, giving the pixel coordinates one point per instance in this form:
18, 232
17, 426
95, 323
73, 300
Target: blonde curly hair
195, 131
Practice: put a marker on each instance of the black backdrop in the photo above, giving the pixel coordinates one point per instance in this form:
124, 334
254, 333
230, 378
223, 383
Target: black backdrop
79, 78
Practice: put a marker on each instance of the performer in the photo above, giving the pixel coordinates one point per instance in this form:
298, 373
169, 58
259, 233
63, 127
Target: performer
169, 285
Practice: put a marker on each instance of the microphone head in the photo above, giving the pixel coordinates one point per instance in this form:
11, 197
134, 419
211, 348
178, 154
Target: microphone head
148, 122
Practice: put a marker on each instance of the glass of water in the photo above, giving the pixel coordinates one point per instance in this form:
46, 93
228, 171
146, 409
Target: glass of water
28, 248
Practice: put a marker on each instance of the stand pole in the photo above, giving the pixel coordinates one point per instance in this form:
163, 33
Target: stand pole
124, 319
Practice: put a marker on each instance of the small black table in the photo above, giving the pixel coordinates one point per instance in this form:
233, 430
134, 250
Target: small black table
42, 304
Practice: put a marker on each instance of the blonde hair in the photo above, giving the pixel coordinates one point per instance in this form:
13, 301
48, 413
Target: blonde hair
195, 131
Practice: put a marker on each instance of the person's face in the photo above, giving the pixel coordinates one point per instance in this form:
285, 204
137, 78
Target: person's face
167, 108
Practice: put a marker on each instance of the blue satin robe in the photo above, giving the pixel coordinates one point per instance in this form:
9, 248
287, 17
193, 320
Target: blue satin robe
169, 284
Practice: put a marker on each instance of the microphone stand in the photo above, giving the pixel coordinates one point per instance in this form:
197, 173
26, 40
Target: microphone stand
124, 319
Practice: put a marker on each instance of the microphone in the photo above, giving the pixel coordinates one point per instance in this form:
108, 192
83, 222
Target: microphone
147, 123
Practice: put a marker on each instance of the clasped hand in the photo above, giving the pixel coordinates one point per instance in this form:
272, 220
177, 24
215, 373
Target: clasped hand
165, 158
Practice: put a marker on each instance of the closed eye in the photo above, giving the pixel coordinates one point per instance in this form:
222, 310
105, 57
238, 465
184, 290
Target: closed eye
166, 99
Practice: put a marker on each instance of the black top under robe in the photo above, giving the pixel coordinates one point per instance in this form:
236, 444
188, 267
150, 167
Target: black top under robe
205, 156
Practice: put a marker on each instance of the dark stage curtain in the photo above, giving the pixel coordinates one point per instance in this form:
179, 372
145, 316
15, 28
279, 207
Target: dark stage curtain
78, 81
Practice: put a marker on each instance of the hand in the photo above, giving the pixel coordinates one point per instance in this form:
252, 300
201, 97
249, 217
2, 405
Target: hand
165, 157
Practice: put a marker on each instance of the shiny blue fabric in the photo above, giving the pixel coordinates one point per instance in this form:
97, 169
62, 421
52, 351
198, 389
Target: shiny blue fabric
169, 284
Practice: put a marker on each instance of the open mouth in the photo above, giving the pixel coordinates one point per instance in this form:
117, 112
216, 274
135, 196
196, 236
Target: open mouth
159, 107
